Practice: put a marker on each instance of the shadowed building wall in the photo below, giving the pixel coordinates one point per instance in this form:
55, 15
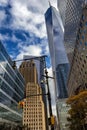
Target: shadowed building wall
70, 11
78, 72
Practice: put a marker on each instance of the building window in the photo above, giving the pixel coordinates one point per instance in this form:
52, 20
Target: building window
85, 61
85, 43
80, 43
86, 23
82, 37
83, 17
80, 24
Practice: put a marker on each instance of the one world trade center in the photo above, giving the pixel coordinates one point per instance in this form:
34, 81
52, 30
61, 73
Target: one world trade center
60, 64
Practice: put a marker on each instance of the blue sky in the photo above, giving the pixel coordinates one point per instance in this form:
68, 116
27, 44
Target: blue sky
23, 30
22, 27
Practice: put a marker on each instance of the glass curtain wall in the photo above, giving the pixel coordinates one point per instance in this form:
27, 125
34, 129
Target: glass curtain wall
58, 55
11, 88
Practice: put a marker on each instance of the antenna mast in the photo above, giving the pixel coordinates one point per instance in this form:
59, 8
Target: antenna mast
49, 2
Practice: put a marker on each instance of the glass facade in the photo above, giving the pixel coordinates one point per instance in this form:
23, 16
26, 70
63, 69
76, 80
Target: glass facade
57, 50
78, 71
62, 9
11, 88
62, 110
70, 11
62, 70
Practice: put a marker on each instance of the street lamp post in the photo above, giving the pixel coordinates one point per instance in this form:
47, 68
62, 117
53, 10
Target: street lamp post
49, 98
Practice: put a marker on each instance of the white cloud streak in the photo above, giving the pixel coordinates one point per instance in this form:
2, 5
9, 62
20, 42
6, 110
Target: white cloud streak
3, 2
33, 50
52, 90
2, 16
25, 18
28, 15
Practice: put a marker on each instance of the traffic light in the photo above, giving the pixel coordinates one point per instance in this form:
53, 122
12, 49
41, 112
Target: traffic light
49, 121
21, 104
52, 120
14, 65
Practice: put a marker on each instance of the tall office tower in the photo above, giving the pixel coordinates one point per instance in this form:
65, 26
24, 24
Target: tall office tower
70, 11
78, 72
40, 65
11, 89
33, 110
28, 73
59, 58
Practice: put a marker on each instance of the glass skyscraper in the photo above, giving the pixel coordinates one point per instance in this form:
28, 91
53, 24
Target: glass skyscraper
70, 11
62, 112
78, 71
11, 89
75, 38
58, 55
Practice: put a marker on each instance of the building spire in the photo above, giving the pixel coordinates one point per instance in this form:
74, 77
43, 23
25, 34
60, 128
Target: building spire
49, 2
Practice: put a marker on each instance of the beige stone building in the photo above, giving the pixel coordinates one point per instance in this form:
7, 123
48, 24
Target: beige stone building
78, 73
33, 110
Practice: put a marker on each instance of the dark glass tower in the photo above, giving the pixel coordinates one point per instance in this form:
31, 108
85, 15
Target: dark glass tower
11, 89
58, 55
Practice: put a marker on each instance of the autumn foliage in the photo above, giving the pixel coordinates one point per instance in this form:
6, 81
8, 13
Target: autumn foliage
78, 113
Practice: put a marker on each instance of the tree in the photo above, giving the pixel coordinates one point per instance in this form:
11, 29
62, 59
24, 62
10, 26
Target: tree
78, 111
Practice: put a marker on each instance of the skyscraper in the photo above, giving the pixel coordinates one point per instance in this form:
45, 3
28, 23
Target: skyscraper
75, 38
62, 112
58, 55
33, 110
78, 73
70, 11
40, 65
11, 89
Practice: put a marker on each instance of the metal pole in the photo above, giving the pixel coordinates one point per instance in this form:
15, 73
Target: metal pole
49, 97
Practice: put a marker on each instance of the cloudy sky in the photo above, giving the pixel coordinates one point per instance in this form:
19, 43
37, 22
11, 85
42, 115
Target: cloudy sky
22, 28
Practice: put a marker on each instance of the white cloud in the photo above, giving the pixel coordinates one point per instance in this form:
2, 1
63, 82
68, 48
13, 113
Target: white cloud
47, 50
3, 37
2, 16
54, 3
14, 38
34, 50
28, 15
27, 19
54, 109
3, 2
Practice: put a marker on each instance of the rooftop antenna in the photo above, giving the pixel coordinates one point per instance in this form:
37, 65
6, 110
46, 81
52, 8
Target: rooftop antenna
49, 2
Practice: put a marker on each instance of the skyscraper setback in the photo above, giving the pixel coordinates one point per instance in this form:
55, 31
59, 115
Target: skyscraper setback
33, 110
59, 58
